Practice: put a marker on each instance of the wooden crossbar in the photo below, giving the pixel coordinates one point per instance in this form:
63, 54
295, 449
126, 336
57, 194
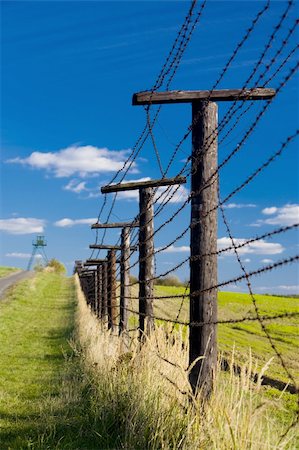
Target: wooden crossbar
94, 263
145, 98
142, 184
109, 247
115, 225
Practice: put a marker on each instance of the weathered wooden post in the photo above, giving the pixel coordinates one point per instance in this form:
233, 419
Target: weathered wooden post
124, 279
146, 243
105, 292
112, 306
203, 239
146, 256
124, 266
203, 242
92, 290
99, 290
99, 264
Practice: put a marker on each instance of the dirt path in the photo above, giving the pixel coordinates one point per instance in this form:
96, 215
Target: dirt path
10, 280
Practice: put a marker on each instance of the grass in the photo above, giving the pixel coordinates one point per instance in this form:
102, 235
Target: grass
93, 392
36, 321
4, 271
248, 335
133, 399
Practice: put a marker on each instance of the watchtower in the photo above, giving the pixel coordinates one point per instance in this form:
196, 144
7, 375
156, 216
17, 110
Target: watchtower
38, 248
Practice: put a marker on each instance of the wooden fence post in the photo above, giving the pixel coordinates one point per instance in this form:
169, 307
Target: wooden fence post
99, 290
146, 264
124, 279
104, 292
112, 304
146, 243
204, 196
203, 242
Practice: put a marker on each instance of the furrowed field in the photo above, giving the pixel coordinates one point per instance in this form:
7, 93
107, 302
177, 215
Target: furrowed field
68, 384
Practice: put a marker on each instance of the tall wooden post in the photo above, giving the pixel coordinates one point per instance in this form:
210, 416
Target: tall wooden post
146, 264
203, 241
124, 279
92, 291
125, 263
146, 243
104, 292
99, 290
203, 306
112, 304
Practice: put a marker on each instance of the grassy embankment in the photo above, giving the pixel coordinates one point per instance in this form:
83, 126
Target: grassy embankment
101, 397
36, 319
4, 271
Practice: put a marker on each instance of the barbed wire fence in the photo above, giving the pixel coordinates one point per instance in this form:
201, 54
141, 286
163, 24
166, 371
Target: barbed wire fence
109, 291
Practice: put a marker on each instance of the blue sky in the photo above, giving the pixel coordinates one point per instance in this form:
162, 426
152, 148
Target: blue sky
69, 70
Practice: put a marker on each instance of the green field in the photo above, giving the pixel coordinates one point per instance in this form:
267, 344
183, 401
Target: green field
4, 271
84, 395
36, 319
247, 336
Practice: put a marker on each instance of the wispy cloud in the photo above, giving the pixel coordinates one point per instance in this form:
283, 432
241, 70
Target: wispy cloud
76, 186
267, 261
77, 160
21, 225
283, 216
174, 249
280, 289
67, 223
260, 247
18, 255
239, 205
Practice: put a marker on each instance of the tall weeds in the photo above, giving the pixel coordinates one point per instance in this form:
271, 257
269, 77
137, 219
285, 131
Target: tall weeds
139, 397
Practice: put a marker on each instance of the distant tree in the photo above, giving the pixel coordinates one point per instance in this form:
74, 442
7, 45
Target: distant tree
133, 279
56, 266
169, 281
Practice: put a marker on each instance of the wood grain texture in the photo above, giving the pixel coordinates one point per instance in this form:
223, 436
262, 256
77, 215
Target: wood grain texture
124, 279
145, 98
146, 260
115, 225
203, 271
111, 290
99, 291
142, 184
104, 291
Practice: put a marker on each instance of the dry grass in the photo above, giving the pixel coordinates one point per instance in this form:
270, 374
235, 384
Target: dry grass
138, 397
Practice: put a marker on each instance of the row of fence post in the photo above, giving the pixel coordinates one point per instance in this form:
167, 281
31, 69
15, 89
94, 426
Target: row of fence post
203, 235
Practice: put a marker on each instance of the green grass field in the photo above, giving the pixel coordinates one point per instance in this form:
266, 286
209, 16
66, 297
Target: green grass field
57, 394
246, 336
36, 320
4, 271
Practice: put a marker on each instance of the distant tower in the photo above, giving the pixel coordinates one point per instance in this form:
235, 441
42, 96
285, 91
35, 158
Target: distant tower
38, 248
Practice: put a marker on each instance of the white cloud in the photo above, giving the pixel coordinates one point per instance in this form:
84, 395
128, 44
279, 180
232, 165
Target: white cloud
281, 289
82, 160
18, 255
173, 249
267, 261
64, 223
246, 260
175, 194
258, 248
21, 225
172, 194
75, 186
239, 205
284, 216
294, 288
270, 210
